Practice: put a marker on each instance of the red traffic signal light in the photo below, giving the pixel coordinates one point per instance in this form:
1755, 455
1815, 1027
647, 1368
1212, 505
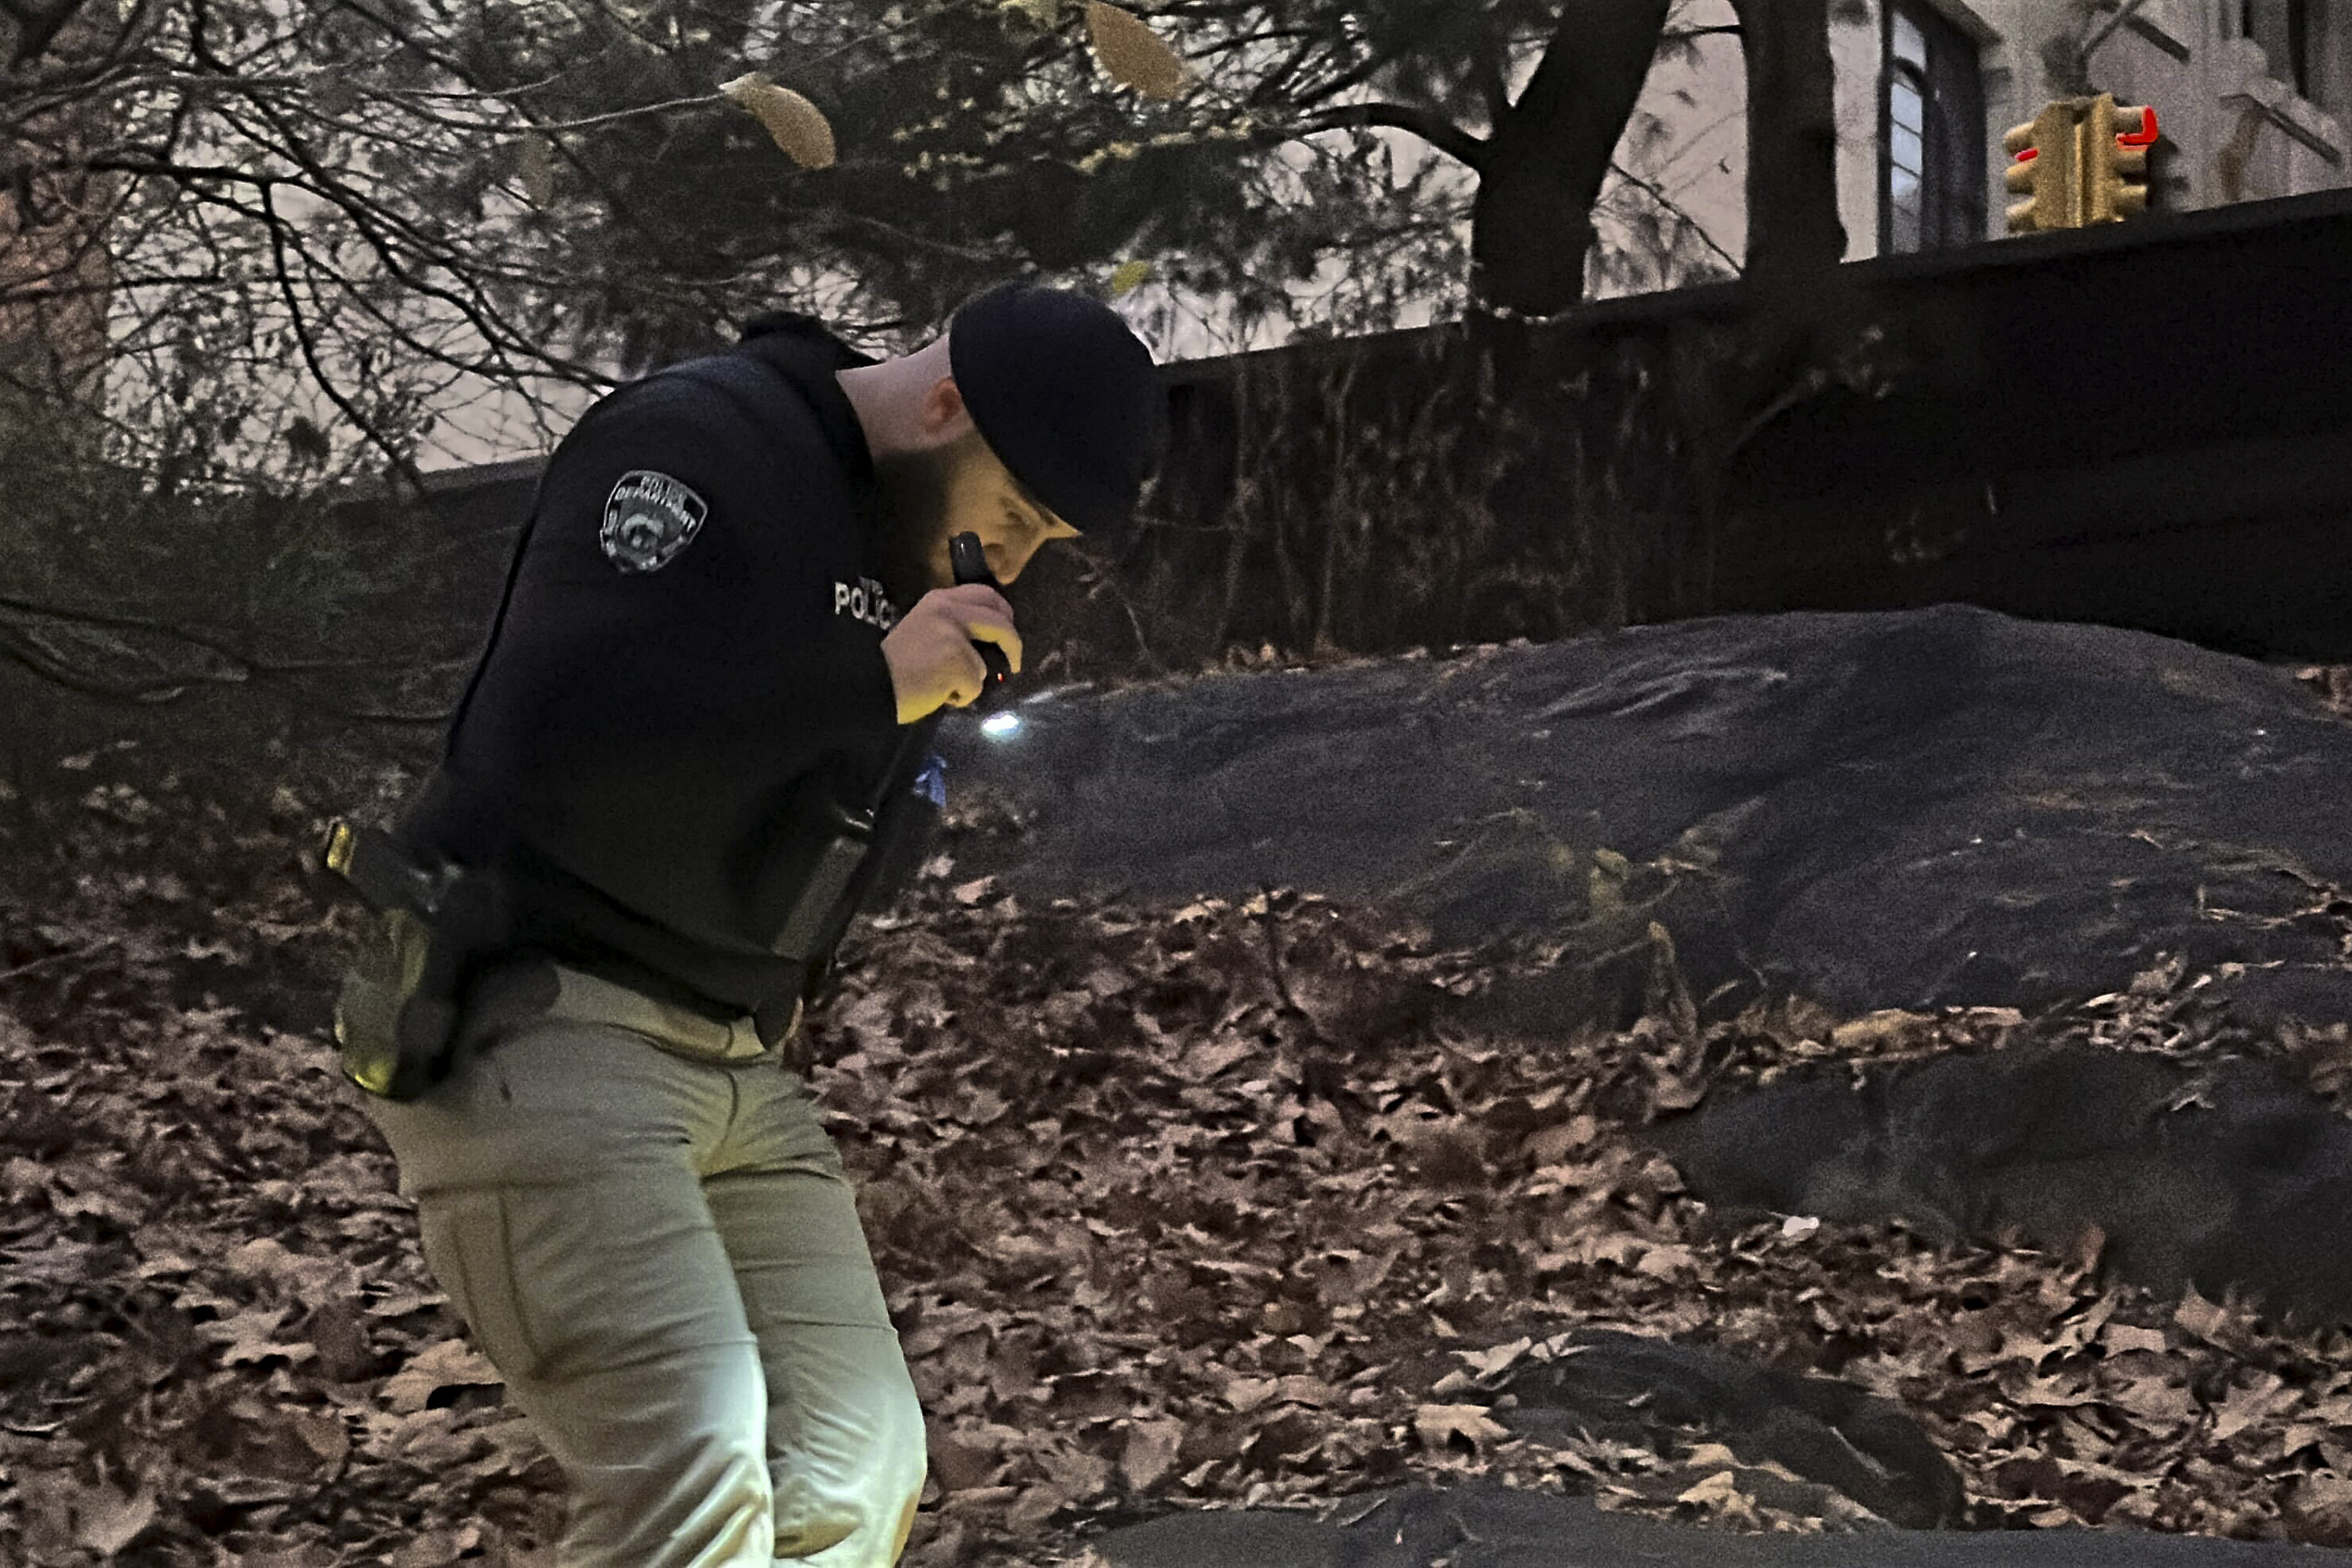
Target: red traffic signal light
2116, 173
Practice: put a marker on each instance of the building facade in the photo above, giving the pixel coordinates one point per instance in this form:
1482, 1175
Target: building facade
2253, 99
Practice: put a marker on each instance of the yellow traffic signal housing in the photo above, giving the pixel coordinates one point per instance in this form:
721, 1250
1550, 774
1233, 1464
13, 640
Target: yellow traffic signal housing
2081, 161
2117, 138
2043, 169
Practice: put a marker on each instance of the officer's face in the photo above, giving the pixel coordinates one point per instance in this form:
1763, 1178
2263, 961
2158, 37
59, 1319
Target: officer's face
990, 503
963, 487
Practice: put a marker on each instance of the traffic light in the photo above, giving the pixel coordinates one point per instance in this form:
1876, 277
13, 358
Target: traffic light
2118, 141
2042, 169
2081, 161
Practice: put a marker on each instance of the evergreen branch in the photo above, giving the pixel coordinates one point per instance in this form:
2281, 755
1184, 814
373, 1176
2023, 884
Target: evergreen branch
1434, 128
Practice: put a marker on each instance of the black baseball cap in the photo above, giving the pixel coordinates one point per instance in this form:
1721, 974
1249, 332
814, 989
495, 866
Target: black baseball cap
1066, 396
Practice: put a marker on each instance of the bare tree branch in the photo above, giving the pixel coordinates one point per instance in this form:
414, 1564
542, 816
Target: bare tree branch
1659, 196
1434, 128
403, 465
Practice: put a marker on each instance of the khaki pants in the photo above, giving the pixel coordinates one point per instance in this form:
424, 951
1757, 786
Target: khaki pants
650, 1236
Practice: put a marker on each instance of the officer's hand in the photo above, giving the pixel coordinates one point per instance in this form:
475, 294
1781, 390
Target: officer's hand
930, 651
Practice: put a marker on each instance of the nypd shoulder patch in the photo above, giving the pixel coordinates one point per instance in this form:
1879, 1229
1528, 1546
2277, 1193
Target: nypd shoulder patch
648, 519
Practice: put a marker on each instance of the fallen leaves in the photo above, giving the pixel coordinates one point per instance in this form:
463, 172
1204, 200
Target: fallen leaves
1437, 1425
1159, 1225
106, 1521
1149, 1453
448, 1365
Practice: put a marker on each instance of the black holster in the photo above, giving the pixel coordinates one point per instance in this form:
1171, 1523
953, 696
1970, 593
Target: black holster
397, 1014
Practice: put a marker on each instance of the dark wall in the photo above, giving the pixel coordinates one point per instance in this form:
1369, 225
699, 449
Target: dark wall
2144, 426
2158, 434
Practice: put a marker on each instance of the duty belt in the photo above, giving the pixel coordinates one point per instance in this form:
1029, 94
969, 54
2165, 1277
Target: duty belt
396, 1015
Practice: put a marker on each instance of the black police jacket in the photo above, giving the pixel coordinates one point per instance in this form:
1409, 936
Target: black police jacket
686, 672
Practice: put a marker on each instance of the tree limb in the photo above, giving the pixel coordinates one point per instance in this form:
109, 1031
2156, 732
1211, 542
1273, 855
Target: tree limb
1669, 203
1434, 128
401, 463
1531, 219
1355, 76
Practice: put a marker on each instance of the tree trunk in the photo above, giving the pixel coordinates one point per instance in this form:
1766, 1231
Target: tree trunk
1727, 386
1801, 311
1531, 221
1793, 230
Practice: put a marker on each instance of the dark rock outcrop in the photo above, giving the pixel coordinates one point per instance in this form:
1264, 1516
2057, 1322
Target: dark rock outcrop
2219, 1175
1930, 808
1482, 1524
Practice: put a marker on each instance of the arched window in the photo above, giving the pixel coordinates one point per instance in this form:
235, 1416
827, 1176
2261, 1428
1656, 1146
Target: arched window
1931, 186
1906, 153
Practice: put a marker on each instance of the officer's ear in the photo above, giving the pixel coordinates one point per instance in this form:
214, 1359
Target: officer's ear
943, 416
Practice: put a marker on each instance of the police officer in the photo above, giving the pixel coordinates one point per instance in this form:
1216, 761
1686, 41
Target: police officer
732, 608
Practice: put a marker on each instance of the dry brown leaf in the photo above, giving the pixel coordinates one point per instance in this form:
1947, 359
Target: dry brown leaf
323, 1432
797, 126
1497, 1358
452, 1363
436, 1550
1247, 1394
2123, 1337
1668, 1262
1132, 54
1438, 1423
2160, 1404
1716, 1490
1150, 1452
2242, 1407
106, 1521
1887, 1026
2198, 1316
2325, 1496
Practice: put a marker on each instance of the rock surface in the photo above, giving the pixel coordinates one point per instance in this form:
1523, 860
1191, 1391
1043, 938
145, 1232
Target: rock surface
1479, 1524
1935, 808
1624, 1386
2221, 1177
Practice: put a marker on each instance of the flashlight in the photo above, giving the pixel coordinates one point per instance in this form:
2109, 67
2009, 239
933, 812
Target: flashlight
970, 565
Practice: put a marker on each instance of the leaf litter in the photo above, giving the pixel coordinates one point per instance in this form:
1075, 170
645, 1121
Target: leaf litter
1174, 1208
